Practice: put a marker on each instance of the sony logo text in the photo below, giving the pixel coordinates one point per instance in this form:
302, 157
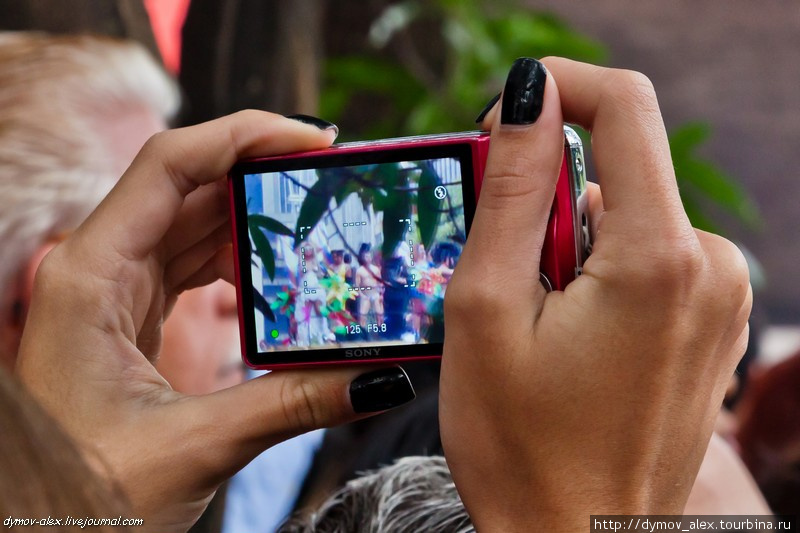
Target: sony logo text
362, 352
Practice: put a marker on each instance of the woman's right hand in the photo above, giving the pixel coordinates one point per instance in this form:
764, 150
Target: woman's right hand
599, 399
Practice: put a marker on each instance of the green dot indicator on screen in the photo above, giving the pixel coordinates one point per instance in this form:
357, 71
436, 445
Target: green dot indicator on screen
274, 333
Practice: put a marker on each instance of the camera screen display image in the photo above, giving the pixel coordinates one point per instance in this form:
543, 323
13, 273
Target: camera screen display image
345, 254
354, 257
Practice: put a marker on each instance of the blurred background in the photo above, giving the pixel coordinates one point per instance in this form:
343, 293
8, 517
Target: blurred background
726, 73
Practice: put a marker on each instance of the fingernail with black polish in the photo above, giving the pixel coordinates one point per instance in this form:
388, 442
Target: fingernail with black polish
523, 95
489, 106
380, 390
314, 121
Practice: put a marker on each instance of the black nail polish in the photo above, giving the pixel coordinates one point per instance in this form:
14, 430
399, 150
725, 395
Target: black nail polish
380, 390
523, 95
487, 108
314, 121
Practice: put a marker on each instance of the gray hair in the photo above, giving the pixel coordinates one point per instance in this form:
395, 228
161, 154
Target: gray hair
55, 163
414, 494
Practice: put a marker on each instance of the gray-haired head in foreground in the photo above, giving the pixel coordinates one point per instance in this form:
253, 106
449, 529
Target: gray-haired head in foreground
64, 103
415, 494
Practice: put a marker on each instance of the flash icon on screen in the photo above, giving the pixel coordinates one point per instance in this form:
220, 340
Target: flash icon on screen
440, 192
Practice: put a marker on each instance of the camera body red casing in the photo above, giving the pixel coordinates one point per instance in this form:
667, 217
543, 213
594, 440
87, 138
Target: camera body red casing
566, 245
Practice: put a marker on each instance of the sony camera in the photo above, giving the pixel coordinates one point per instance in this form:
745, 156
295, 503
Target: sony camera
344, 254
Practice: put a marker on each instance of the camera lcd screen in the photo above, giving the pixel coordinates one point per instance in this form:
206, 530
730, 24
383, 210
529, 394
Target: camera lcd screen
350, 251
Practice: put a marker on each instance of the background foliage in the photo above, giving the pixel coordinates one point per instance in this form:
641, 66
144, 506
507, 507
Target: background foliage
430, 66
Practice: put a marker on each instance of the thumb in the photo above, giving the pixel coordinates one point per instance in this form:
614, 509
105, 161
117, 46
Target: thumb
251, 417
522, 169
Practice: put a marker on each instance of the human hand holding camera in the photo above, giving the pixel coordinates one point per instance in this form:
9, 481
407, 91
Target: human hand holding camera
599, 399
101, 297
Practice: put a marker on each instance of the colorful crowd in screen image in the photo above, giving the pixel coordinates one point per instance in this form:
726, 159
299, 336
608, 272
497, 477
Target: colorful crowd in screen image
335, 297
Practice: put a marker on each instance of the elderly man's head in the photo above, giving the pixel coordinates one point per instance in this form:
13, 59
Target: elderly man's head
74, 111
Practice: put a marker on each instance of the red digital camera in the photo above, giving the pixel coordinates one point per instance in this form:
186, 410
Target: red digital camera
344, 254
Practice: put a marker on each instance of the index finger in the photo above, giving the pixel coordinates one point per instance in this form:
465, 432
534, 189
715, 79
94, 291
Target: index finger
629, 144
137, 213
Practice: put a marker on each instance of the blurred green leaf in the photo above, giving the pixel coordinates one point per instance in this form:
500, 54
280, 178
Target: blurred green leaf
695, 213
684, 140
538, 34
427, 205
333, 101
260, 303
257, 225
316, 203
428, 116
385, 179
343, 192
347, 78
394, 214
370, 73
395, 203
268, 224
702, 181
264, 250
370, 197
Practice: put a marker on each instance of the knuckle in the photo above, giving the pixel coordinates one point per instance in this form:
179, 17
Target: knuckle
684, 258
302, 408
248, 114
67, 274
63, 268
632, 90
153, 145
737, 352
454, 301
514, 170
734, 263
247, 121
729, 273
462, 301
511, 176
51, 269
673, 268
164, 151
743, 314
245, 117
